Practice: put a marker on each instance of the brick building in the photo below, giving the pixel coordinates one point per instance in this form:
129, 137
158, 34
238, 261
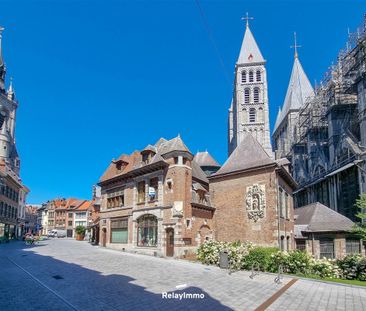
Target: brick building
322, 232
156, 201
252, 195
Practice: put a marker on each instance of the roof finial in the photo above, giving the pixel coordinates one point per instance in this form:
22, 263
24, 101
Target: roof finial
247, 18
295, 46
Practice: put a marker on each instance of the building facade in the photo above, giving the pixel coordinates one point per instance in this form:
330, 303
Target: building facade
252, 196
156, 201
12, 192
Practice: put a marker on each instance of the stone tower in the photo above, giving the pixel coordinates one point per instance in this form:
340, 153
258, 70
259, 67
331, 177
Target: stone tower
8, 107
249, 107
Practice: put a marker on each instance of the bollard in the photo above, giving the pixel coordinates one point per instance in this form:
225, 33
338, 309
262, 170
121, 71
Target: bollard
279, 277
255, 270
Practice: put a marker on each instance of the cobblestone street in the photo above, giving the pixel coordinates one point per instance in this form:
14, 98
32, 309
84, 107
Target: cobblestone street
64, 274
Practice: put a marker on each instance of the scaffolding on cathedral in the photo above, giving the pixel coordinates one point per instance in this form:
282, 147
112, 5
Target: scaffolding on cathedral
328, 152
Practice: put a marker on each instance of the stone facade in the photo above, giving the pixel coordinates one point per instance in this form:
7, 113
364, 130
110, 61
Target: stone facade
156, 202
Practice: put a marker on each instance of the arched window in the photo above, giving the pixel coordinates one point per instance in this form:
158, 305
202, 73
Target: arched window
243, 76
251, 77
258, 75
147, 231
256, 95
246, 96
252, 115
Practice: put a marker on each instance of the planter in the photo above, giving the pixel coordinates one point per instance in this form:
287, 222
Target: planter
80, 237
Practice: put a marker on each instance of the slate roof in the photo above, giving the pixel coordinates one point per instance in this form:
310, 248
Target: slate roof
205, 159
134, 161
299, 88
249, 154
317, 217
249, 52
198, 173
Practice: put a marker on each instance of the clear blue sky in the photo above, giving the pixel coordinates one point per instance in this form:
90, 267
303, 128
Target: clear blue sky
99, 78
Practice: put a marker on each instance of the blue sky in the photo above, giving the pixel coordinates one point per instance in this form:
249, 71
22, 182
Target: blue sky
99, 78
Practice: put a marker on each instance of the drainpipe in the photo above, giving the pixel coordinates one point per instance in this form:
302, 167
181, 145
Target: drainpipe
278, 212
312, 243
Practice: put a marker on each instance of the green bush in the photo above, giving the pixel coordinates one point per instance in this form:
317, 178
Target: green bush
299, 262
353, 267
80, 230
259, 256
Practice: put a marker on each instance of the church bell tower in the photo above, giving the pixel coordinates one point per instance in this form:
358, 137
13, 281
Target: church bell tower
249, 112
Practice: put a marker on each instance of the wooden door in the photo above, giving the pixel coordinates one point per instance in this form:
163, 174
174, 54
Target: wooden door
170, 242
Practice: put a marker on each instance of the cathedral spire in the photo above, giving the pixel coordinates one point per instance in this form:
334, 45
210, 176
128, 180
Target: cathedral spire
1, 53
298, 90
11, 92
249, 52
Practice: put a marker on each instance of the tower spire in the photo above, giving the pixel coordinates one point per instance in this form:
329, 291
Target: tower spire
1, 54
295, 46
247, 18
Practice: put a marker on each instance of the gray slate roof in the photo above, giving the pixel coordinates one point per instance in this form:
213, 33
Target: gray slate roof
317, 217
249, 52
205, 159
198, 173
249, 154
175, 144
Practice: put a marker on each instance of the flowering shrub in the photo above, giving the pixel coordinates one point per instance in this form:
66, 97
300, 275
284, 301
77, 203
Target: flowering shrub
209, 252
353, 267
245, 255
326, 268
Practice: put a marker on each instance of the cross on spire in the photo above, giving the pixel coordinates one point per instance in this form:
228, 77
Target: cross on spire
295, 46
247, 18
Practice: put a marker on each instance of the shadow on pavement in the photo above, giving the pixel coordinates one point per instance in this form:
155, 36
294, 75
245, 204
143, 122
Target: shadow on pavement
82, 288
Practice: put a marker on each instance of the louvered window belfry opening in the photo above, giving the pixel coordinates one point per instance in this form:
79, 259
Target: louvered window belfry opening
258, 76
246, 96
256, 95
251, 76
252, 115
244, 77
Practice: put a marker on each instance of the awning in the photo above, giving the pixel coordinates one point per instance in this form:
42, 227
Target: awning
341, 169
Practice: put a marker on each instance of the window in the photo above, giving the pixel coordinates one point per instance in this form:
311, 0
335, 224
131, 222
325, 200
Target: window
286, 206
301, 245
256, 95
69, 223
251, 77
258, 76
141, 192
147, 231
153, 189
70, 215
246, 96
252, 115
119, 230
244, 77
326, 248
352, 246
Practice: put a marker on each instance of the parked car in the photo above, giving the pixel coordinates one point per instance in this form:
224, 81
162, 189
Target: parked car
57, 233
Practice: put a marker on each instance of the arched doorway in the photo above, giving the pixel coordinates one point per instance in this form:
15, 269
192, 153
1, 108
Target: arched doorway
170, 242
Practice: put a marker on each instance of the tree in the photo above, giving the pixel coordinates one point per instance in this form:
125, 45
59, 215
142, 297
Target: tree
360, 228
